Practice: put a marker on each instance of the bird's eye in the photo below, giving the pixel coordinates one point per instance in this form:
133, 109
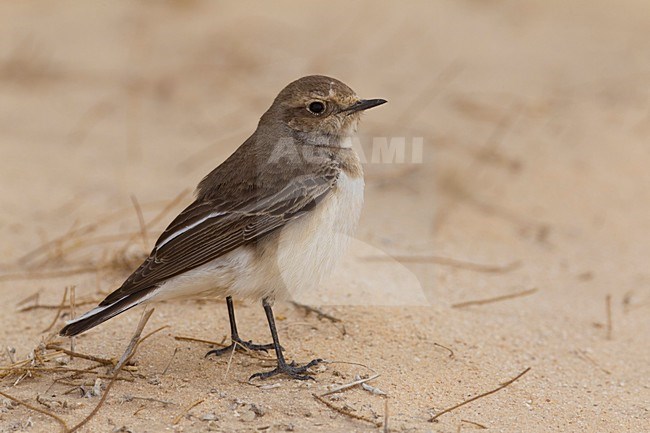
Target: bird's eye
316, 107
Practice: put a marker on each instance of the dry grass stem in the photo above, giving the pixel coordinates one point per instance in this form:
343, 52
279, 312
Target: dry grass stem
345, 411
485, 394
350, 363
128, 354
11, 354
74, 235
171, 359
130, 349
74, 354
33, 297
199, 340
45, 247
586, 357
58, 250
480, 426
151, 399
55, 417
386, 415
58, 311
349, 385
72, 316
180, 416
495, 299
475, 424
451, 352
17, 370
245, 350
143, 226
232, 354
320, 314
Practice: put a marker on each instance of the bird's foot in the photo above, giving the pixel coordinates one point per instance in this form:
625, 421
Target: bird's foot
292, 370
239, 344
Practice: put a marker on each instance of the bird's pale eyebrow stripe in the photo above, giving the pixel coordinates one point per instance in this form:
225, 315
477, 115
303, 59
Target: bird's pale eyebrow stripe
189, 227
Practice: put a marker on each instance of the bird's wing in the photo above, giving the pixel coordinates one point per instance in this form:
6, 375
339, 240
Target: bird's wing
206, 230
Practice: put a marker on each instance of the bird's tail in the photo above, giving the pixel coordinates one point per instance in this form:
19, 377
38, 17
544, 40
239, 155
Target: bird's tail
102, 313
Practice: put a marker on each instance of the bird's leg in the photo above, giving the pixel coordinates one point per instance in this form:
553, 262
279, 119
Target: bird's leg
292, 370
237, 342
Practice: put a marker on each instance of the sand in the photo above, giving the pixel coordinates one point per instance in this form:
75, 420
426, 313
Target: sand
534, 120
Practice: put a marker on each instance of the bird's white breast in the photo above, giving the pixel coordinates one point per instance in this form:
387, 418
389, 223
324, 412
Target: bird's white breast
310, 247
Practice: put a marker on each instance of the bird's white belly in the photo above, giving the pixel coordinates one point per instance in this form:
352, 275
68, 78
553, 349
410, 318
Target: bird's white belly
304, 252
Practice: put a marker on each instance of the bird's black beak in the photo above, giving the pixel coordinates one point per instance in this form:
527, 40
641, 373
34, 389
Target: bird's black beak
364, 104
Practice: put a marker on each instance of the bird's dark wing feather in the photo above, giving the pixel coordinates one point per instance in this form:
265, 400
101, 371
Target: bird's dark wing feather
208, 229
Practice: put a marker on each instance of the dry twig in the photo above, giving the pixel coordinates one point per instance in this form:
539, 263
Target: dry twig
199, 340
495, 299
128, 354
130, 349
485, 394
180, 416
385, 415
143, 226
33, 297
48, 369
73, 234
250, 353
349, 385
74, 354
11, 354
39, 410
475, 424
171, 359
345, 411
151, 399
451, 352
81, 237
232, 354
582, 354
72, 316
321, 315
58, 311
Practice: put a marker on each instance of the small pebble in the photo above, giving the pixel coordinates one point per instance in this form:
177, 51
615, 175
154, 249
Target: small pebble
208, 417
248, 416
257, 410
62, 360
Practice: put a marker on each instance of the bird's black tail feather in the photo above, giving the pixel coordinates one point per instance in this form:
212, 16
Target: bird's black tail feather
102, 313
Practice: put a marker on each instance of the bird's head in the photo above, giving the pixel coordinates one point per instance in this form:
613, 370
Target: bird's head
320, 109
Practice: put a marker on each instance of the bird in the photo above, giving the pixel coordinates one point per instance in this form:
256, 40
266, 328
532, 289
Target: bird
271, 220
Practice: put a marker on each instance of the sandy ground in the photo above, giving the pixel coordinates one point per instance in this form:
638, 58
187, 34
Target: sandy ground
535, 121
